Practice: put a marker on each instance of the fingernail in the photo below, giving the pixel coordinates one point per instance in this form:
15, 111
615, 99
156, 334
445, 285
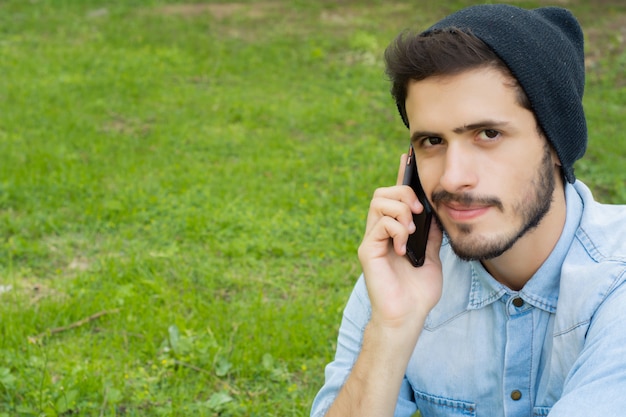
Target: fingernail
412, 227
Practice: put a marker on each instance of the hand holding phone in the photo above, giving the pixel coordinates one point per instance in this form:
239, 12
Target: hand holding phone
416, 245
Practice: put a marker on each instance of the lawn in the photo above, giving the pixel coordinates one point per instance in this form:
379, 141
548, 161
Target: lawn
183, 187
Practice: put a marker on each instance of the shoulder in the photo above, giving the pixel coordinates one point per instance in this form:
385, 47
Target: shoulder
601, 229
595, 265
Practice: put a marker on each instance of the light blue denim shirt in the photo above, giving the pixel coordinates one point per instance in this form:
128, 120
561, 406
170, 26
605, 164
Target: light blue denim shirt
557, 347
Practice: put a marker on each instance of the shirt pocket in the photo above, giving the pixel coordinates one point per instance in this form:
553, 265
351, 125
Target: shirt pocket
436, 406
541, 411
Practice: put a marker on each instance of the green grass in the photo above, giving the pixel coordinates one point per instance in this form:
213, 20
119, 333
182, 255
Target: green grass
200, 174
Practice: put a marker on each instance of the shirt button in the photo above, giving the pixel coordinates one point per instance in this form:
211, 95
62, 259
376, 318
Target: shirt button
518, 302
516, 395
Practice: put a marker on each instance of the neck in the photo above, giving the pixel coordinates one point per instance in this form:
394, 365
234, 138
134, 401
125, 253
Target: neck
515, 267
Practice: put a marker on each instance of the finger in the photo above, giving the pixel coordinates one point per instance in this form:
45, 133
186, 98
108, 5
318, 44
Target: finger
376, 242
401, 169
402, 193
381, 206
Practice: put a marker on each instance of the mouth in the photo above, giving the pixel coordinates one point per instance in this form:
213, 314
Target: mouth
464, 213
465, 207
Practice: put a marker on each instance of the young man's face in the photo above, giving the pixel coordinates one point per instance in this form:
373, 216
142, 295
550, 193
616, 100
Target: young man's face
489, 173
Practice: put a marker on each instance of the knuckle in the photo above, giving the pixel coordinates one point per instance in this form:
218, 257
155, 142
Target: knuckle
380, 192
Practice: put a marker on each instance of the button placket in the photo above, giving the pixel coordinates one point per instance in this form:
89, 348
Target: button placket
518, 356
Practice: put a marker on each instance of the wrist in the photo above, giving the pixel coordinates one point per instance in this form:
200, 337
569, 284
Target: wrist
392, 341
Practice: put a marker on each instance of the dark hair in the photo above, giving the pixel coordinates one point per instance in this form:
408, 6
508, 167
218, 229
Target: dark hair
440, 52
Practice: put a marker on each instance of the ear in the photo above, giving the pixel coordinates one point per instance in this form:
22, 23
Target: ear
555, 158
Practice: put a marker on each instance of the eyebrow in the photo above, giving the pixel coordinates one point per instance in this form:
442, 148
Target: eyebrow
483, 124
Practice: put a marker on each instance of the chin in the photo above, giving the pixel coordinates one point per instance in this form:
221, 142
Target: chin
470, 244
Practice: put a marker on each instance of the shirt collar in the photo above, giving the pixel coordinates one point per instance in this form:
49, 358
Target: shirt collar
542, 290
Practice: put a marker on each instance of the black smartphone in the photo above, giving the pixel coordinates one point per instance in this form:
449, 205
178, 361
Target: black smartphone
416, 245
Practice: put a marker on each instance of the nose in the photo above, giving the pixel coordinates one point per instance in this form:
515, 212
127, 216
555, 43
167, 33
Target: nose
459, 169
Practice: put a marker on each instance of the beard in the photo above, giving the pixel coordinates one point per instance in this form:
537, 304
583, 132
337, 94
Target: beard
531, 208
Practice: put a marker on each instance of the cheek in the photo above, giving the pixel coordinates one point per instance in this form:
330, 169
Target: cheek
512, 183
430, 174
508, 168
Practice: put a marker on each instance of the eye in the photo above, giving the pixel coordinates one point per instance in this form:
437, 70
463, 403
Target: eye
488, 134
431, 141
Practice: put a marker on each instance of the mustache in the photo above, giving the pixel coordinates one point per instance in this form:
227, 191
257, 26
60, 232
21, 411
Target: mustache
465, 199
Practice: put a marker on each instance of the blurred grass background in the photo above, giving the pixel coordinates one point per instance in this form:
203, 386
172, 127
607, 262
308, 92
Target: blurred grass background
183, 186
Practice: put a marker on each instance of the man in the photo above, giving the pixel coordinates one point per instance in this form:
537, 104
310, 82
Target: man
520, 306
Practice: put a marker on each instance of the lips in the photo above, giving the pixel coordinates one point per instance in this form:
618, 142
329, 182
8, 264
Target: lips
465, 207
463, 213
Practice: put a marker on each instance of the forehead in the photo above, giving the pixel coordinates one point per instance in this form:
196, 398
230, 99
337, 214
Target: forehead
468, 95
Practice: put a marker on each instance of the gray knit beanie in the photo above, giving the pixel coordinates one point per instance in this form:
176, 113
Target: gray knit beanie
543, 48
